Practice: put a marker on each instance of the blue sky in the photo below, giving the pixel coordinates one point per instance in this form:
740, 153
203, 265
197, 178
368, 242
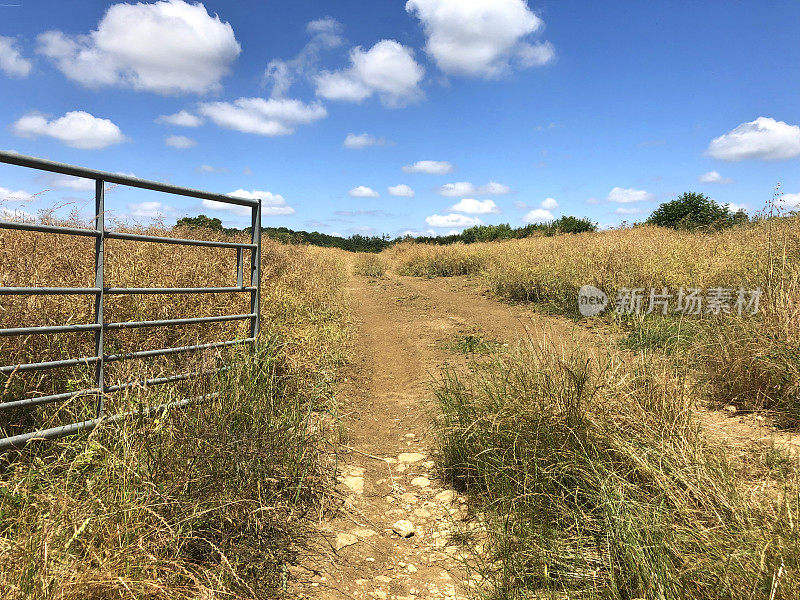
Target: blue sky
490, 111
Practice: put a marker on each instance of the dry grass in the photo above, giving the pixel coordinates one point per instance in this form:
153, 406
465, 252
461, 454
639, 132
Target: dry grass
752, 362
597, 481
370, 265
201, 503
423, 260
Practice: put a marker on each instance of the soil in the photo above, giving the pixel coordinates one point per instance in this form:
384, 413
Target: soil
406, 330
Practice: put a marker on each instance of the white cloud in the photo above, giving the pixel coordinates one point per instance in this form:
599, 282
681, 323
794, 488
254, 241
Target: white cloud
549, 204
418, 233
362, 140
271, 204
363, 191
401, 190
73, 183
181, 118
734, 207
77, 129
326, 34
149, 210
764, 139
628, 195
210, 169
452, 220
460, 188
481, 38
538, 215
494, 189
167, 47
7, 195
475, 207
465, 188
789, 202
430, 167
713, 177
263, 117
12, 62
180, 141
387, 69
622, 210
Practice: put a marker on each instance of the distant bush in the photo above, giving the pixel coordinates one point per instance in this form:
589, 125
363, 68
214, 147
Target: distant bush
370, 265
696, 211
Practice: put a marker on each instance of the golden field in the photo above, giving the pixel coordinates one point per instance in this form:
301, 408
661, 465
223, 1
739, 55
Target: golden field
208, 501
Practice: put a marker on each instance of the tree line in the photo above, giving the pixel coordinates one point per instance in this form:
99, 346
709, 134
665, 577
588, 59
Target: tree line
689, 211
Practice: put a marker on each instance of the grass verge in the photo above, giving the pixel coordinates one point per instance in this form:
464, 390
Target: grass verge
599, 482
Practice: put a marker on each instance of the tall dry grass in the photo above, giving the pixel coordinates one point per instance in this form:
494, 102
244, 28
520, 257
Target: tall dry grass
752, 362
596, 480
205, 502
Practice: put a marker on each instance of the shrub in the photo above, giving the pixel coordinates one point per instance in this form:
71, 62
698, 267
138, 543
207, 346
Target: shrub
695, 211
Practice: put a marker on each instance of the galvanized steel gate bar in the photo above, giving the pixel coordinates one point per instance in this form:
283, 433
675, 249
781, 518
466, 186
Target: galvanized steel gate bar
99, 291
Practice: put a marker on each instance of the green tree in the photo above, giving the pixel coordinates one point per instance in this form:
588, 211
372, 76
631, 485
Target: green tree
201, 221
695, 211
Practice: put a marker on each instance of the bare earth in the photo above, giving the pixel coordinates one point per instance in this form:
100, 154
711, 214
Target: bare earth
404, 327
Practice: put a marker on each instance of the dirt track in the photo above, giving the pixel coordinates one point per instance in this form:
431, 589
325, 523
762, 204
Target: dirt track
404, 327
404, 330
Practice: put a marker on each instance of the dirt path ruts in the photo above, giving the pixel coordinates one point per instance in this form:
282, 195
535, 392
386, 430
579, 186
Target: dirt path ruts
403, 327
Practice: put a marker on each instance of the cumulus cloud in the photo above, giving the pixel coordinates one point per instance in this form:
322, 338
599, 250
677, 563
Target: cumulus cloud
325, 34
401, 190
7, 195
180, 141
362, 140
713, 177
271, 204
549, 204
475, 207
167, 47
430, 167
78, 184
785, 202
271, 117
763, 139
77, 129
149, 210
538, 215
452, 220
481, 38
735, 207
12, 62
363, 191
181, 118
387, 69
465, 188
628, 195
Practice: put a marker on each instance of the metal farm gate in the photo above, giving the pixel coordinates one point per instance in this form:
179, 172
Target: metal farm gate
99, 292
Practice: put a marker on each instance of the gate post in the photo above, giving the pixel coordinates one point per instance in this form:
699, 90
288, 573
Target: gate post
255, 273
99, 263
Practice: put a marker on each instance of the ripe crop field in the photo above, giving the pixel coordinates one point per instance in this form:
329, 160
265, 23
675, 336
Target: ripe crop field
586, 457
